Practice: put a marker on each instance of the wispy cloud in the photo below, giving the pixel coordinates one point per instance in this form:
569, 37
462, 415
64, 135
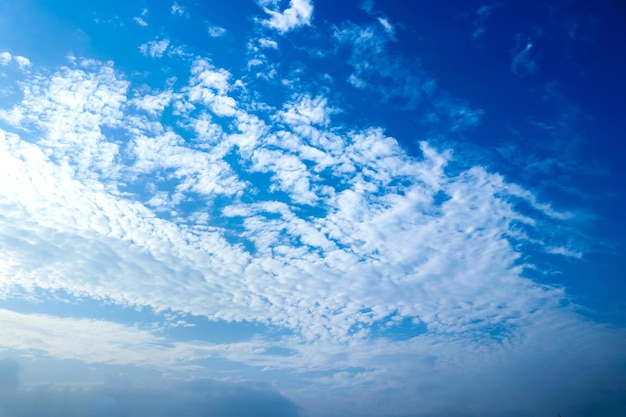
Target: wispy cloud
388, 26
140, 21
454, 113
268, 43
481, 14
524, 63
373, 67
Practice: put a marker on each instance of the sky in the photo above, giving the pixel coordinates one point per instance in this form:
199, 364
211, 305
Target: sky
306, 208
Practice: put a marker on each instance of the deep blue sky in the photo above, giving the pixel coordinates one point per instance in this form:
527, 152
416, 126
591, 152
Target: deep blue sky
312, 208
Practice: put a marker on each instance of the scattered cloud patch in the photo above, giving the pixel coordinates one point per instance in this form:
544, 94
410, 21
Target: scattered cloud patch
22, 62
217, 31
155, 104
190, 218
155, 49
388, 26
140, 21
177, 10
299, 13
5, 58
268, 43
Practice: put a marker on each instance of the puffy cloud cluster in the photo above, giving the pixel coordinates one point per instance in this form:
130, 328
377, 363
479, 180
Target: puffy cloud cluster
299, 13
6, 58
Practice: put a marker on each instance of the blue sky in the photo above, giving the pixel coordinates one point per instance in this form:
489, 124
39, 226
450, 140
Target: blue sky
304, 208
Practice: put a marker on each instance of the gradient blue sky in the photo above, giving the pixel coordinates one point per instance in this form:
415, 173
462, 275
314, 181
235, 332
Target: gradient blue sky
312, 208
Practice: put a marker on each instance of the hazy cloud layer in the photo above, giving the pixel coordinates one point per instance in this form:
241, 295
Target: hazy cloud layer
198, 398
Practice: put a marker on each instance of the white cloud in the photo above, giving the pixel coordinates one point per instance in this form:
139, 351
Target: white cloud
388, 26
368, 211
268, 43
91, 341
177, 10
482, 14
217, 31
140, 21
71, 107
306, 110
5, 58
561, 250
155, 49
154, 103
322, 230
299, 13
209, 86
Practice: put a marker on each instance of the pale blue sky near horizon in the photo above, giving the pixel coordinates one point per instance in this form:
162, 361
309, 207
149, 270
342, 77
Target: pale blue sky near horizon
312, 208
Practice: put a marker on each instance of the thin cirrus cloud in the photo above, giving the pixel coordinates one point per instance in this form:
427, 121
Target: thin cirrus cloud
523, 62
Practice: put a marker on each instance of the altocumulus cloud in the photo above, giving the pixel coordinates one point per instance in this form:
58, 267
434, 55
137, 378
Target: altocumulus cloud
426, 250
189, 208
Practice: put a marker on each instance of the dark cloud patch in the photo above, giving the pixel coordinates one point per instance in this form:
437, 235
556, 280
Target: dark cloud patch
202, 398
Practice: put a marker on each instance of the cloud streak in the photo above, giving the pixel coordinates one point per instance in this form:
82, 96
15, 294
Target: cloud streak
523, 62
